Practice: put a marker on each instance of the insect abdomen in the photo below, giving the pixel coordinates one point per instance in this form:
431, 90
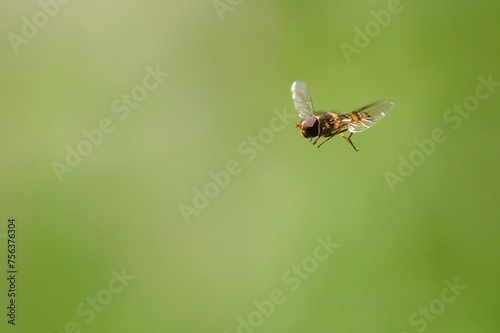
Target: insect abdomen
357, 117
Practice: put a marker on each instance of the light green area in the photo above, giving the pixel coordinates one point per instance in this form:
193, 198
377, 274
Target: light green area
120, 207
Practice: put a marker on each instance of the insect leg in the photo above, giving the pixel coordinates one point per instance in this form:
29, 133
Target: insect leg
339, 131
326, 140
349, 140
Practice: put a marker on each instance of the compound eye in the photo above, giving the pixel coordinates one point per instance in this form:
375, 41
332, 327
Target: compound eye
312, 127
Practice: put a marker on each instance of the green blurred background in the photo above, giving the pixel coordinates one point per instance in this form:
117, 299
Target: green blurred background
229, 72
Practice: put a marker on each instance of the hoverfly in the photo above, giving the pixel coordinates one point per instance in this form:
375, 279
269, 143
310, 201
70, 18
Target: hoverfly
328, 124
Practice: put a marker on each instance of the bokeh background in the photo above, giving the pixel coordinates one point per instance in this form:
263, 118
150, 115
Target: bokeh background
230, 70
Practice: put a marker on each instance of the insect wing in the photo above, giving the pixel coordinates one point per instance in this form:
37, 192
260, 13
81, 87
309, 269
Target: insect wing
302, 98
375, 111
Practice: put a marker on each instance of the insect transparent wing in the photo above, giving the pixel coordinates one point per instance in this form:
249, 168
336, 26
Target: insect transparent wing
376, 111
302, 98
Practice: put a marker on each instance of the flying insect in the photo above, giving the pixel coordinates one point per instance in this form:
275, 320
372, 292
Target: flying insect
316, 124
